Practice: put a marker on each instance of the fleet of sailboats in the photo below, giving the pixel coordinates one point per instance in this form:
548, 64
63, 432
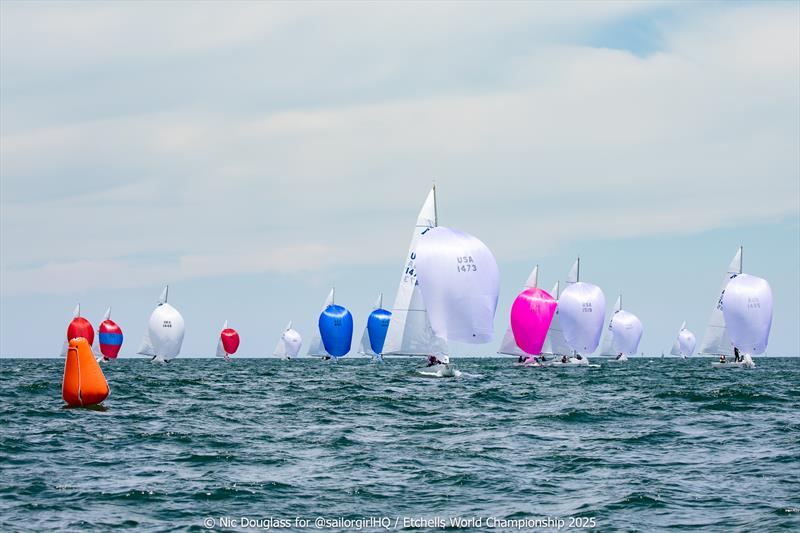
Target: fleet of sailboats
448, 291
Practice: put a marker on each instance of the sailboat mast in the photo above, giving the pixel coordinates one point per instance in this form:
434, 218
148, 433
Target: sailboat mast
578, 276
741, 258
435, 208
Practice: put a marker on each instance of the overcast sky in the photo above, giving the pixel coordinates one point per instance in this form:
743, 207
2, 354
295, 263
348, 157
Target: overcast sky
253, 154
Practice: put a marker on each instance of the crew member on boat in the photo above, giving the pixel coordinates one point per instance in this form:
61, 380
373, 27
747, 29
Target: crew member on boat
433, 360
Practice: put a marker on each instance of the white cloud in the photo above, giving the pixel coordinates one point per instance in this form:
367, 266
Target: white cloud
558, 140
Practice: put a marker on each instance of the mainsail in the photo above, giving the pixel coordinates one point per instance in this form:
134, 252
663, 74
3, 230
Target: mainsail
554, 343
410, 330
508, 345
316, 348
716, 340
289, 344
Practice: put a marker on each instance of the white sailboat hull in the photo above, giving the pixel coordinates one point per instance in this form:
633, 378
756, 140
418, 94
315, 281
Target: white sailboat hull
438, 371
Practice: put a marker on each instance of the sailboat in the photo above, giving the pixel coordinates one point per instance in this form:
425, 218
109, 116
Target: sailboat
78, 327
622, 335
684, 343
716, 340
228, 342
410, 331
531, 315
374, 336
289, 344
460, 284
108, 341
163, 337
747, 308
335, 332
508, 346
581, 309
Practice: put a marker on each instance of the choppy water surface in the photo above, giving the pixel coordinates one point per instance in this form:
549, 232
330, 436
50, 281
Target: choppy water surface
641, 446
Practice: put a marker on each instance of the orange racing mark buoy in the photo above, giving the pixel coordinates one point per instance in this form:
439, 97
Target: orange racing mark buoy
84, 383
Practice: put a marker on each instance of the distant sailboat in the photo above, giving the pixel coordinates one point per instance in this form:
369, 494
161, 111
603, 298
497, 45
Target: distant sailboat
410, 331
747, 306
335, 331
374, 336
581, 309
289, 344
108, 340
622, 335
78, 327
460, 284
164, 335
228, 342
316, 348
508, 346
684, 343
716, 340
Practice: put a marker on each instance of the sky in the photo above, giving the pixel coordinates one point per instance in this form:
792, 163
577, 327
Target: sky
254, 154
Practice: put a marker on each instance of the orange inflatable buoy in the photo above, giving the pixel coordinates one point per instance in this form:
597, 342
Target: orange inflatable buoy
84, 383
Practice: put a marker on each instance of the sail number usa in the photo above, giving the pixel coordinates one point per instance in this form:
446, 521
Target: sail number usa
466, 264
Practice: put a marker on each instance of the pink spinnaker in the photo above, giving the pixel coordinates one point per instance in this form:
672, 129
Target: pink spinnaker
531, 315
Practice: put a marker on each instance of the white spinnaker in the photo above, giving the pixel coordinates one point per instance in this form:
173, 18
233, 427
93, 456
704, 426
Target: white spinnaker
581, 311
163, 337
747, 304
555, 343
509, 345
289, 344
410, 330
366, 347
687, 342
220, 348
460, 282
716, 340
684, 342
626, 332
317, 348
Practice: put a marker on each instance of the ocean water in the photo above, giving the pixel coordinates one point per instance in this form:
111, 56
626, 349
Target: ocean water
646, 446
